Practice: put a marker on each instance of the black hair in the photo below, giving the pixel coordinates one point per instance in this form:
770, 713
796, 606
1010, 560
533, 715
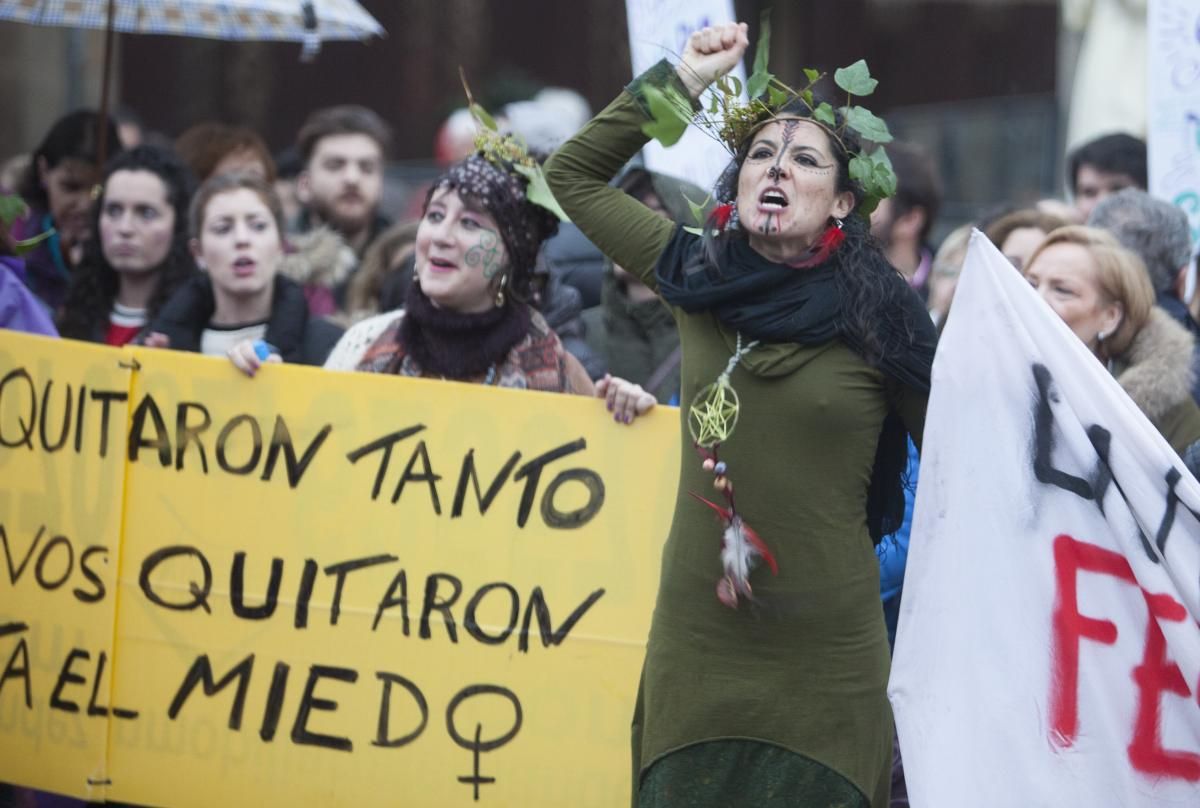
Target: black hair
75, 136
94, 282
1112, 154
864, 276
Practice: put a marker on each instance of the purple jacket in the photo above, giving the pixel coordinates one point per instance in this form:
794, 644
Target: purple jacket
19, 309
46, 273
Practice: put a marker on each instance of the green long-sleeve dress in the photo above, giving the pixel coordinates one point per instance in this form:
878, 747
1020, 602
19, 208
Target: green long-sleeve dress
782, 702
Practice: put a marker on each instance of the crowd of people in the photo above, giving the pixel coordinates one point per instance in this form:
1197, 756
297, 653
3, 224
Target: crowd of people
825, 320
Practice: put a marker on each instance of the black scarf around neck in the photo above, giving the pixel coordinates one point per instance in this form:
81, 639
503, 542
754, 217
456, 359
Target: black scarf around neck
459, 346
775, 303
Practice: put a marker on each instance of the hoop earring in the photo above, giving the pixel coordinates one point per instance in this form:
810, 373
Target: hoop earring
500, 292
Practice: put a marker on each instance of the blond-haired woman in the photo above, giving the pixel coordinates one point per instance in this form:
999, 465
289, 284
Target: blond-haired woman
1103, 293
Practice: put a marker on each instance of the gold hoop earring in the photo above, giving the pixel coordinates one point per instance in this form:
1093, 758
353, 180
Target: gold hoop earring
500, 292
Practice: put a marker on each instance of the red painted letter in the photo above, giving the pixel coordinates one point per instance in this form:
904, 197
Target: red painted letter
1069, 627
1155, 676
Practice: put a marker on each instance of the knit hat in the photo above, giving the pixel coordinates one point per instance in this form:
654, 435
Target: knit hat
501, 193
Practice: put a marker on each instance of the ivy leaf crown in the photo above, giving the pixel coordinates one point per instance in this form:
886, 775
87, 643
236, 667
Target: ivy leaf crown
731, 120
508, 152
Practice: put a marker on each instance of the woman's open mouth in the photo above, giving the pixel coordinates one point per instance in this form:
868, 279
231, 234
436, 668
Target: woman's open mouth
244, 267
772, 199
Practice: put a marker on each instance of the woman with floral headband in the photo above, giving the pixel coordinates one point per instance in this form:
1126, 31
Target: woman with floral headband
806, 359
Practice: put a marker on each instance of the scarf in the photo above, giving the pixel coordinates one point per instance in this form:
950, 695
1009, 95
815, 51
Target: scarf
455, 345
778, 305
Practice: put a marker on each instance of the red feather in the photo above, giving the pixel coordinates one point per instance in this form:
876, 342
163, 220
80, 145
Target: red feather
832, 238
725, 514
721, 215
761, 547
829, 241
738, 558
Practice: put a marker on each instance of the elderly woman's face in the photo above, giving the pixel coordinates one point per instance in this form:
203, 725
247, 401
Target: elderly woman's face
1065, 276
460, 258
787, 189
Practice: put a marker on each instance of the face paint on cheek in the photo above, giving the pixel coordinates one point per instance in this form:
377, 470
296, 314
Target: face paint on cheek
486, 254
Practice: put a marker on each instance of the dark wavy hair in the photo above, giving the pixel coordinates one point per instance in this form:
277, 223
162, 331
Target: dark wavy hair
94, 283
863, 276
74, 136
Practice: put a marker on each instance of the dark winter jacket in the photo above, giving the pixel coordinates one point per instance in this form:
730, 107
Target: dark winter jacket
1179, 312
636, 340
562, 307
299, 337
322, 263
325, 265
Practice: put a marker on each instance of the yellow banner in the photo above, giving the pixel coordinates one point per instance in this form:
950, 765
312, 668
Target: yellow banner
63, 408
336, 588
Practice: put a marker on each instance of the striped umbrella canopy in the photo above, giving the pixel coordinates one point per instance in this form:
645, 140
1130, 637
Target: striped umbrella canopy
294, 20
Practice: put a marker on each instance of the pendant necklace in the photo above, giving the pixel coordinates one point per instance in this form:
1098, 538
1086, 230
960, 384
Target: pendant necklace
712, 419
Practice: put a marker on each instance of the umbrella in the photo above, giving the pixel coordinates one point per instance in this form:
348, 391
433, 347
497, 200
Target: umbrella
307, 21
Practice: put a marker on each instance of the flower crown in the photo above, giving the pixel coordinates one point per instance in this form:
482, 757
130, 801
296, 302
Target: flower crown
731, 120
509, 153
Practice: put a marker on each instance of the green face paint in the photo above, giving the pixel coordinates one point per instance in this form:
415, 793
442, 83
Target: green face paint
486, 254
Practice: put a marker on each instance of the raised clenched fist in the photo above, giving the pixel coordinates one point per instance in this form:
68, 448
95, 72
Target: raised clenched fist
711, 53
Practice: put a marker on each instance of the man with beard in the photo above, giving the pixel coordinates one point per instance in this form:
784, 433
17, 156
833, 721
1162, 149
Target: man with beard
343, 150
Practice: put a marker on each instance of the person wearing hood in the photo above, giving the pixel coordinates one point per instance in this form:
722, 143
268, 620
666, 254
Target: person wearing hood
237, 239
631, 329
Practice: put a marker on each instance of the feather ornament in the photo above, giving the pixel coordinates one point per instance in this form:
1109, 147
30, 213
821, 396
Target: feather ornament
741, 551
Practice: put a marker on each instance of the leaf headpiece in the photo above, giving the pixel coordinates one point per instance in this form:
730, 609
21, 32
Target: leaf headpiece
508, 152
732, 121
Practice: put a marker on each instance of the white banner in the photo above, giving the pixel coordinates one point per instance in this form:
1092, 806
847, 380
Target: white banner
660, 29
1048, 652
1174, 107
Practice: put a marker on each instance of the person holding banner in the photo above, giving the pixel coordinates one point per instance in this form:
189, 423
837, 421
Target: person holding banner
821, 356
237, 239
140, 255
1103, 293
